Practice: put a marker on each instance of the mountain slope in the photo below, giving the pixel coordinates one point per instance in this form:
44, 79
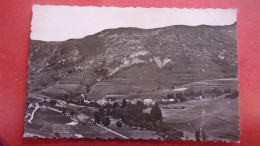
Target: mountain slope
171, 55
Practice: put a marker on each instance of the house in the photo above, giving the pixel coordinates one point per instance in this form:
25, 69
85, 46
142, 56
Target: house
84, 96
102, 102
134, 101
174, 92
179, 91
114, 98
167, 101
149, 102
199, 97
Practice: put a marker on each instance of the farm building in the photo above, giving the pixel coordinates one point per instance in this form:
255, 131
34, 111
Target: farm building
114, 98
167, 101
174, 92
148, 102
102, 102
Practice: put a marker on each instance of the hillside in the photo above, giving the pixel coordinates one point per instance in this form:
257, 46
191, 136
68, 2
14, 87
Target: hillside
169, 56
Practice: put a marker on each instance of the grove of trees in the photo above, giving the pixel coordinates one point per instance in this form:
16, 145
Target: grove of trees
133, 116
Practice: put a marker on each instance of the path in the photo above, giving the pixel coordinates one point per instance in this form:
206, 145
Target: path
36, 108
113, 131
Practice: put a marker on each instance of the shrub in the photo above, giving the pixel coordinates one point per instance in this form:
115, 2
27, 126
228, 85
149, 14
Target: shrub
232, 95
170, 95
131, 123
227, 91
182, 99
106, 121
179, 95
119, 124
217, 91
53, 102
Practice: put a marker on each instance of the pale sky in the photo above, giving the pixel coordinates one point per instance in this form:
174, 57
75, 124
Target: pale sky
59, 23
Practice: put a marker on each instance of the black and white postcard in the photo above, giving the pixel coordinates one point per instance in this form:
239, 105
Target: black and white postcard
133, 73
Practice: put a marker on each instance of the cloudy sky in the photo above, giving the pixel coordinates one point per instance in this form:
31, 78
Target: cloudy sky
59, 23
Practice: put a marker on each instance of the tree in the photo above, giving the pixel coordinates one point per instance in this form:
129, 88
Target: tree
101, 111
197, 135
131, 123
217, 91
63, 110
116, 113
72, 113
115, 105
156, 113
87, 88
119, 124
182, 99
204, 135
170, 95
106, 121
124, 103
108, 111
140, 104
97, 117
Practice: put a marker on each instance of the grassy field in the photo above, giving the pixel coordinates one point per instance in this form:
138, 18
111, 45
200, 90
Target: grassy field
230, 83
134, 132
218, 117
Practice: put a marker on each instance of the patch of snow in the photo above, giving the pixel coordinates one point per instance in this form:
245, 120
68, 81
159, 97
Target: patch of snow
137, 60
165, 61
125, 62
72, 123
221, 57
160, 63
139, 53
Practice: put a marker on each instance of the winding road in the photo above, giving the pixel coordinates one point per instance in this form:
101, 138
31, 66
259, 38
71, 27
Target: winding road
37, 106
